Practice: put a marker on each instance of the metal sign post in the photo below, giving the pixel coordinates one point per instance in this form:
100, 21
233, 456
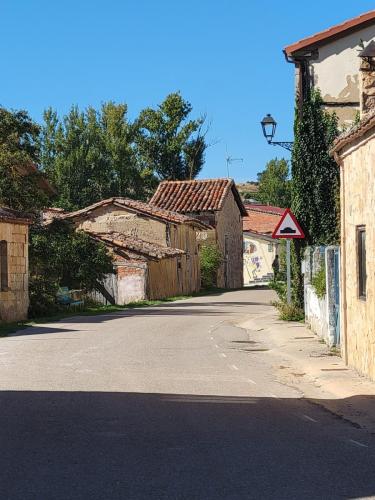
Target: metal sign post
288, 274
289, 229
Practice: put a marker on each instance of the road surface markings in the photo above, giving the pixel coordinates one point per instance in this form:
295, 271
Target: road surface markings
234, 367
358, 443
222, 355
309, 418
251, 381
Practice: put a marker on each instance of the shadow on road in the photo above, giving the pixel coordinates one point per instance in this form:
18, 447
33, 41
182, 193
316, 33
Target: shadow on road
75, 445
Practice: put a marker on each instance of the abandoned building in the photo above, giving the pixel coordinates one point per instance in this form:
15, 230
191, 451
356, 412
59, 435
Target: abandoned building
155, 251
14, 265
215, 202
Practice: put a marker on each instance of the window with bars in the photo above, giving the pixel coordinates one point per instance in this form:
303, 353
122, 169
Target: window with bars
3, 265
361, 261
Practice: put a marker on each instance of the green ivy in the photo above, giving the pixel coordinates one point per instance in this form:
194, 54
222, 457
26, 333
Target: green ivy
319, 282
210, 260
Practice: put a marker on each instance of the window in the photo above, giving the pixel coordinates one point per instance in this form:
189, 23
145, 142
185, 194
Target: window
361, 261
3, 265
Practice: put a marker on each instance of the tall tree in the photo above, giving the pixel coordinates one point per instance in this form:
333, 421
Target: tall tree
315, 181
274, 186
19, 154
168, 143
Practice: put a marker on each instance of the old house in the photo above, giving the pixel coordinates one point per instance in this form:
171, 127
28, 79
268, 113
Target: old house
14, 266
355, 153
259, 248
328, 60
155, 250
215, 202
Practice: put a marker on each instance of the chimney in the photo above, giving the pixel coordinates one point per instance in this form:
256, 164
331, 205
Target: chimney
367, 79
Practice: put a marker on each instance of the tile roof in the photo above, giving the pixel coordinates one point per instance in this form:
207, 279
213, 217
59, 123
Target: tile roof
51, 213
334, 31
10, 215
262, 222
196, 195
367, 123
141, 208
135, 245
269, 209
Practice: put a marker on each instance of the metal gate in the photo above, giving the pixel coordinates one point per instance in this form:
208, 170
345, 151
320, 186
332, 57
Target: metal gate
336, 283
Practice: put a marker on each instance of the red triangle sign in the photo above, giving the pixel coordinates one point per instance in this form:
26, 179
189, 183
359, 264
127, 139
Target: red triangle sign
288, 227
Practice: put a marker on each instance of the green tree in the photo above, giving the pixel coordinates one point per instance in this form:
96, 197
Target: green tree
61, 256
315, 182
274, 185
168, 143
19, 150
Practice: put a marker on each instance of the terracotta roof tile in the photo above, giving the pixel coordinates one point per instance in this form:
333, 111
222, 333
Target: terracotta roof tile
14, 216
261, 221
196, 195
142, 208
367, 123
136, 245
335, 31
270, 209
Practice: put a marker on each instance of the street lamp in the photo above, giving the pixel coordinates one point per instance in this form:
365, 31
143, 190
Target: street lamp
269, 128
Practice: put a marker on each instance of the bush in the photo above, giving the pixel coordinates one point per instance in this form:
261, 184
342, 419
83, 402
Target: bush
280, 288
289, 312
210, 260
318, 282
42, 292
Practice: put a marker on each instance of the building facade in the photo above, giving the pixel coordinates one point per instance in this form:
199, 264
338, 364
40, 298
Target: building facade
259, 248
215, 202
14, 265
155, 251
329, 61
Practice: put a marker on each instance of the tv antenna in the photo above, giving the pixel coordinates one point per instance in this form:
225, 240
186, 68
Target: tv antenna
229, 159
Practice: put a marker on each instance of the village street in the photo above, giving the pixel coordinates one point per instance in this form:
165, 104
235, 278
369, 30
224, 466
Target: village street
168, 402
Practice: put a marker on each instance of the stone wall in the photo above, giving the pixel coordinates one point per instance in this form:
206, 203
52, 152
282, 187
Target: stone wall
14, 302
357, 209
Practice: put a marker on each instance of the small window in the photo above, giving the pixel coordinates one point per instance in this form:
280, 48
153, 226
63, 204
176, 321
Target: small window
361, 261
3, 265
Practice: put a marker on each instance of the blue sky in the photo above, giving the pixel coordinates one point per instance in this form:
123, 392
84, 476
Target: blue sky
225, 57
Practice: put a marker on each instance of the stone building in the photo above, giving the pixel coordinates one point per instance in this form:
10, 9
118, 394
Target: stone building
215, 202
329, 60
355, 153
14, 265
155, 251
259, 248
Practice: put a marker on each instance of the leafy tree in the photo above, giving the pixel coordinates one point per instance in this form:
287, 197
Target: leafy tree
274, 185
315, 182
18, 151
60, 256
90, 155
168, 143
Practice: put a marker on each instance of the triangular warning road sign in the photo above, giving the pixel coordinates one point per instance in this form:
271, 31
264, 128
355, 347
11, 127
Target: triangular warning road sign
288, 227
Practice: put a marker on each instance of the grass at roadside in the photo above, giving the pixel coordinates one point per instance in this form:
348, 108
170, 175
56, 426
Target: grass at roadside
94, 310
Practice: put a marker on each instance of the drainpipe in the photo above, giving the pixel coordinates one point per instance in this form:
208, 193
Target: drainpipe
302, 63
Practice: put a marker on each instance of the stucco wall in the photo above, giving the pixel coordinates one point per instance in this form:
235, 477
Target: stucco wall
229, 224
14, 302
358, 208
336, 70
257, 259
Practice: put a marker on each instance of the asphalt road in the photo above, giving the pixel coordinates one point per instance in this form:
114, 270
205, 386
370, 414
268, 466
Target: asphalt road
170, 402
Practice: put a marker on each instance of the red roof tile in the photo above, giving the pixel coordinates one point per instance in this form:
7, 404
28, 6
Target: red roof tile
261, 221
196, 195
355, 132
255, 207
141, 208
135, 245
335, 31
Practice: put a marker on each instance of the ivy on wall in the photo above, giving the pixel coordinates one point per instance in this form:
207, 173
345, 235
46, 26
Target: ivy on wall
315, 182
